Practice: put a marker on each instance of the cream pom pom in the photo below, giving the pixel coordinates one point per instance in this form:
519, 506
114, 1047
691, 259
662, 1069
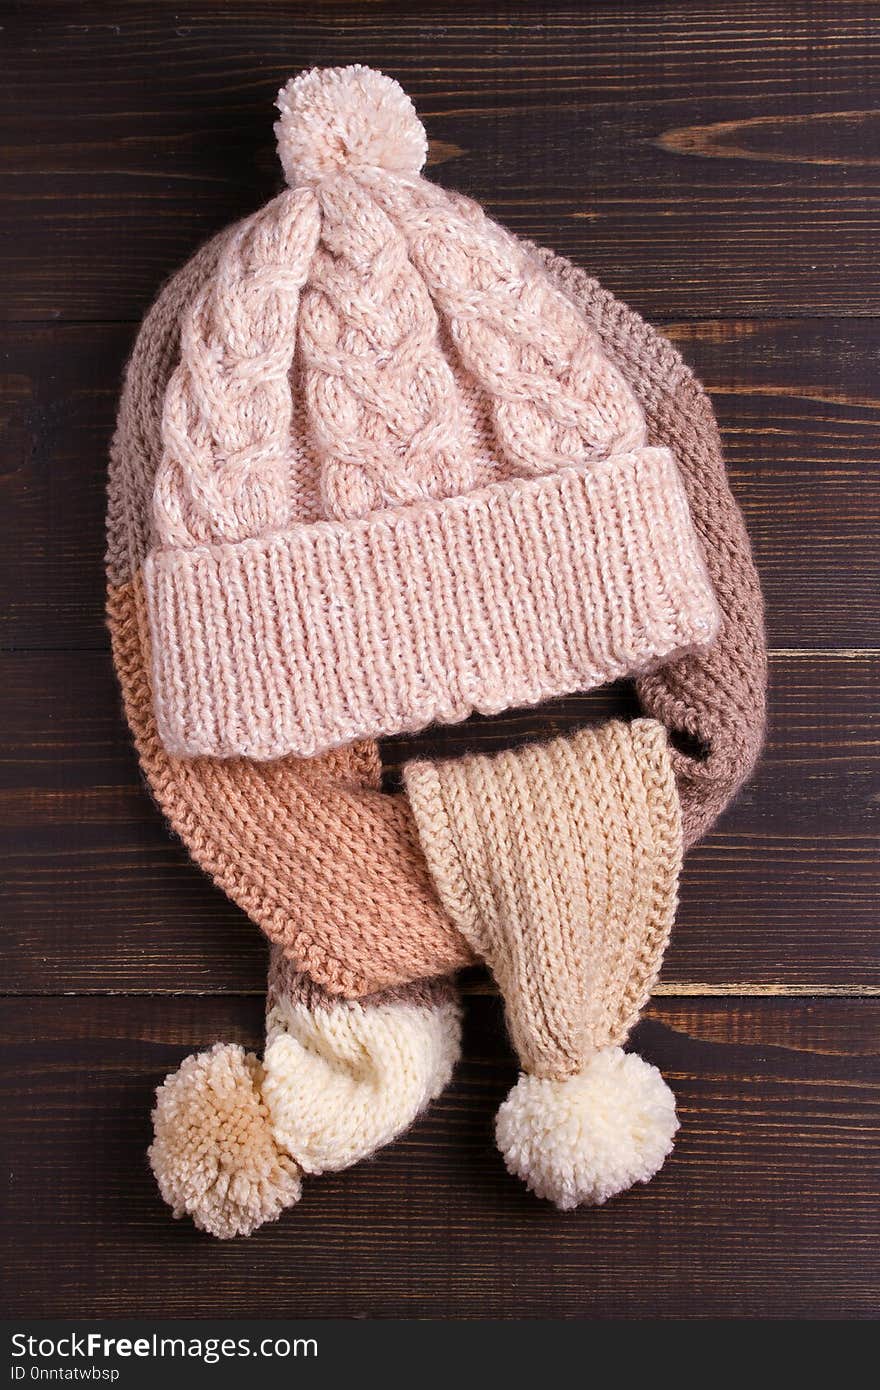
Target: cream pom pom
582, 1140
335, 119
214, 1155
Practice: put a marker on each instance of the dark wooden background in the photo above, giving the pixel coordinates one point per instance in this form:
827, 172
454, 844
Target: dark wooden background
718, 166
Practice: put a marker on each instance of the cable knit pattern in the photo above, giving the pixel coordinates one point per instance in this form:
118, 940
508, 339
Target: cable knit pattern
227, 415
556, 398
383, 403
559, 864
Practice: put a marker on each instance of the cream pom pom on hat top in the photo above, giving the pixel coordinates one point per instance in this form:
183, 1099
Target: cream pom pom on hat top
381, 465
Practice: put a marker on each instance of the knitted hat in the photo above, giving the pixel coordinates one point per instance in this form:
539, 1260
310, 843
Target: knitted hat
400, 480
305, 549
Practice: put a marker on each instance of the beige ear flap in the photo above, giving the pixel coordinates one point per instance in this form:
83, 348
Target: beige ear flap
559, 865
556, 398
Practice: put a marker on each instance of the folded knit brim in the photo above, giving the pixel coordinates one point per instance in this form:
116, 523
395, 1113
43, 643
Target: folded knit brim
522, 591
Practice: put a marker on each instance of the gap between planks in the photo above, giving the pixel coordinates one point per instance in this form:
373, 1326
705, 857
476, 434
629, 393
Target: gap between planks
829, 653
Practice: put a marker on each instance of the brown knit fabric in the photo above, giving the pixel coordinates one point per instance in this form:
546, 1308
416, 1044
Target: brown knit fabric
358, 910
313, 851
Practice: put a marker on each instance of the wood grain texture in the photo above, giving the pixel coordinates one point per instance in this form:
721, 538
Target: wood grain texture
797, 402
98, 895
763, 1211
624, 135
717, 167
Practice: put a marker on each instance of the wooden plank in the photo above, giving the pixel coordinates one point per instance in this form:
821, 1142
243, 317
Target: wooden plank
766, 1209
98, 897
796, 400
702, 160
59, 390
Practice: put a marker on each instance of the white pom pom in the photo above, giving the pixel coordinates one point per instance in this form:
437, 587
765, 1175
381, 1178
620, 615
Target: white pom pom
214, 1154
347, 118
582, 1140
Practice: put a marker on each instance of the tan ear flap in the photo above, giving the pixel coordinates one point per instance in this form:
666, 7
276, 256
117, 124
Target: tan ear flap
556, 398
223, 475
559, 864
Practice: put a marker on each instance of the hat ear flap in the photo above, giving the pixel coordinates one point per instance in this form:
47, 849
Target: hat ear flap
223, 474
556, 398
559, 864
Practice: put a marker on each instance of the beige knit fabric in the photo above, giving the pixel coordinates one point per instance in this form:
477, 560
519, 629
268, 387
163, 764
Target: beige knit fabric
559, 864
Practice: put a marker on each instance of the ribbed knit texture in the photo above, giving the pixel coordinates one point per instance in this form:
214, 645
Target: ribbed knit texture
508, 596
559, 864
